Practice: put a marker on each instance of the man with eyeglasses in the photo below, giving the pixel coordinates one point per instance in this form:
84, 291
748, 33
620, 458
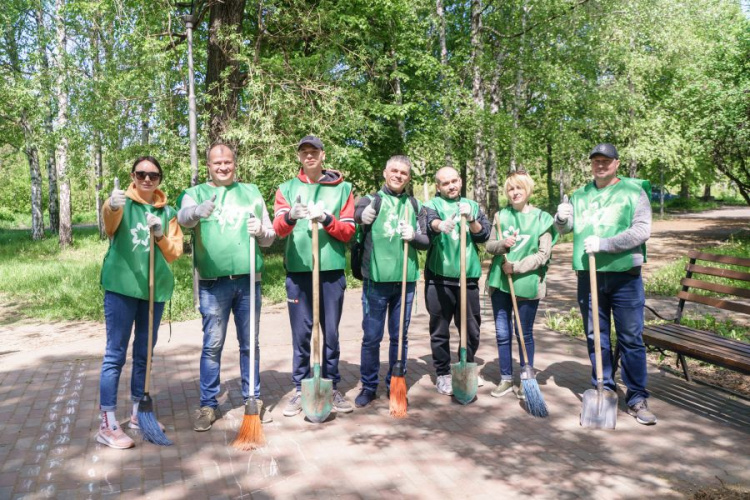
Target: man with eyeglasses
224, 214
611, 218
442, 271
322, 195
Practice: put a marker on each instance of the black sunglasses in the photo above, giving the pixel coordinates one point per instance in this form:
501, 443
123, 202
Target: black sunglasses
141, 175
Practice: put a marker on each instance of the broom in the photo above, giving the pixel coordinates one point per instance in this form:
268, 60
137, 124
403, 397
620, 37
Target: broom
250, 435
534, 399
397, 402
150, 429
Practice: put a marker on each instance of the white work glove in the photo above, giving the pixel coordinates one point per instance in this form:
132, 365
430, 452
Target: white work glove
206, 208
591, 244
254, 226
154, 223
117, 198
465, 209
564, 210
298, 211
510, 240
407, 232
316, 213
369, 214
447, 226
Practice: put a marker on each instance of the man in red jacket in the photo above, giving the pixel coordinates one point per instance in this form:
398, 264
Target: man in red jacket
321, 195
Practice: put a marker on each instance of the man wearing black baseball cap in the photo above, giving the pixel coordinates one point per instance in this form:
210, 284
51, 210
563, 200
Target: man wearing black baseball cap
322, 195
611, 218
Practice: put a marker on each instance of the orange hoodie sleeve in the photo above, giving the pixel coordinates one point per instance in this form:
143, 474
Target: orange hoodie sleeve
171, 244
111, 218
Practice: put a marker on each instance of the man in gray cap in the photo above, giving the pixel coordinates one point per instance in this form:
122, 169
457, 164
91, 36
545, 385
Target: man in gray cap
611, 218
321, 195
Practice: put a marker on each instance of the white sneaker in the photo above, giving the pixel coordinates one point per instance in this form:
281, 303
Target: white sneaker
480, 381
114, 438
444, 385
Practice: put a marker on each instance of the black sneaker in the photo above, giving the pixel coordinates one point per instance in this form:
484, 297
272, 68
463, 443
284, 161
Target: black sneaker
365, 397
641, 413
340, 403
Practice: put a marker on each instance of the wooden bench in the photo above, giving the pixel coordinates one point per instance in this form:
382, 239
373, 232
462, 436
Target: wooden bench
698, 344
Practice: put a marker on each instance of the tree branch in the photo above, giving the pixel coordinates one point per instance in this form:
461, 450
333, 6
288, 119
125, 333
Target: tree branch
534, 25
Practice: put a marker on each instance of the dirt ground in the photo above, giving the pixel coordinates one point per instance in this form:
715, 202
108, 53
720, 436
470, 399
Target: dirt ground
670, 239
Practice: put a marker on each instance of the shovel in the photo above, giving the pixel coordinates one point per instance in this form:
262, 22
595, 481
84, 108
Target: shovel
317, 392
599, 407
463, 374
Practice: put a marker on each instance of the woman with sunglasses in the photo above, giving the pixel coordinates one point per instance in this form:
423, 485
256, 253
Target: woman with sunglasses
129, 216
522, 251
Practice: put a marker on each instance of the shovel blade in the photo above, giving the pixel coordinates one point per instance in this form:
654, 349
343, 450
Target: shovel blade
599, 409
317, 397
464, 379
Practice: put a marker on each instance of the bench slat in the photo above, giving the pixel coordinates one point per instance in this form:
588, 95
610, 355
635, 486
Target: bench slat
727, 305
733, 360
715, 271
716, 287
724, 259
699, 337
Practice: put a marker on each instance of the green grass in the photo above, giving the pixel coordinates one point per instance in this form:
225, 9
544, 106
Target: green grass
51, 284
666, 280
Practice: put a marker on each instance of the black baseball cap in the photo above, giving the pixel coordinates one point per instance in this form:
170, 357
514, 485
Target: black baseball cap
312, 141
605, 149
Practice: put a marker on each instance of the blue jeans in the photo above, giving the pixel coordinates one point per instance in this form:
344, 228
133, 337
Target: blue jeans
622, 297
379, 300
120, 312
502, 308
299, 302
217, 298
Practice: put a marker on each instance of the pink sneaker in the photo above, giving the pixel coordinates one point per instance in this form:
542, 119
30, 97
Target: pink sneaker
134, 423
114, 438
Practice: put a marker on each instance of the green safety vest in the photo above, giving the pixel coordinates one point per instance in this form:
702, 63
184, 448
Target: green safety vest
125, 268
222, 245
530, 226
606, 213
387, 254
443, 256
298, 251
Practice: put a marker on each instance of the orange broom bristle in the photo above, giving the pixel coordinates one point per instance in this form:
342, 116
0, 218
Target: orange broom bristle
250, 435
398, 397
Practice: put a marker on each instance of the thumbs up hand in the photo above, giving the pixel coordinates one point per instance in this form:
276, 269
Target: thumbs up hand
564, 210
206, 208
369, 214
298, 211
117, 198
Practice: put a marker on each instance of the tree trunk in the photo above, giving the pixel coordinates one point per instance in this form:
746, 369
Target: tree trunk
706, 192
225, 20
684, 189
29, 145
480, 168
517, 92
99, 174
396, 83
493, 194
52, 194
66, 230
447, 142
145, 118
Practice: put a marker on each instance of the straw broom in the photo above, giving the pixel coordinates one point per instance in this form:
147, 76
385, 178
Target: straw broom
398, 401
250, 436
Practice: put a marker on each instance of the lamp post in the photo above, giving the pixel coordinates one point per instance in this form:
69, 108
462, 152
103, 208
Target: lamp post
190, 20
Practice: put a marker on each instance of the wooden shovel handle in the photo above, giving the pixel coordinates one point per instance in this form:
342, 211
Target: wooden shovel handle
463, 282
595, 317
252, 313
316, 347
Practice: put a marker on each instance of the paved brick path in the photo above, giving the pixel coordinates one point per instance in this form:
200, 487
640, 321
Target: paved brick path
488, 449
48, 416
